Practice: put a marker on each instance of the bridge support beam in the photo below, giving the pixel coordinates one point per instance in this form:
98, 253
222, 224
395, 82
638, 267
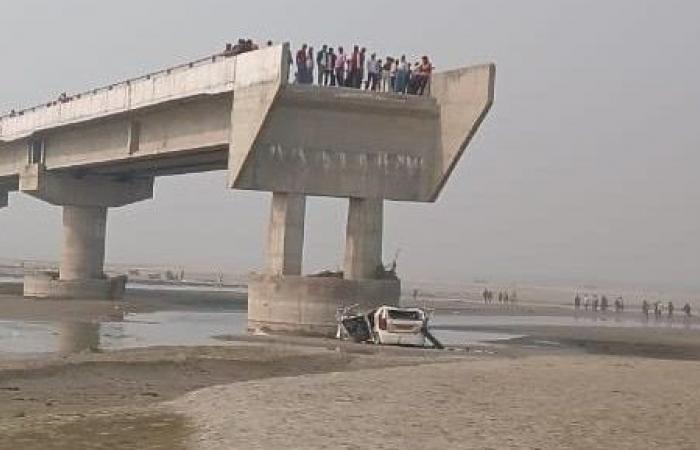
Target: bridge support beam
83, 254
363, 241
285, 239
281, 300
85, 201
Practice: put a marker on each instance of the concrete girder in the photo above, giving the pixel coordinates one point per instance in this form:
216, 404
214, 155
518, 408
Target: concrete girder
65, 189
465, 97
350, 143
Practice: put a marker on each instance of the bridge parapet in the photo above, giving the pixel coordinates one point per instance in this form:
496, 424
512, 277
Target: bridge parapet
208, 76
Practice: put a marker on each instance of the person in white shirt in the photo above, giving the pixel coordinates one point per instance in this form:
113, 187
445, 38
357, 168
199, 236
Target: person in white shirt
340, 67
310, 67
373, 68
387, 84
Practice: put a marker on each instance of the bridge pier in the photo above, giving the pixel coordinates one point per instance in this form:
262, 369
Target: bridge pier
83, 252
281, 300
363, 241
285, 240
85, 201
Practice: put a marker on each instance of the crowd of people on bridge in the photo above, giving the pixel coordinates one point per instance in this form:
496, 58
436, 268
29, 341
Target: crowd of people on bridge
244, 45
595, 303
356, 69
352, 69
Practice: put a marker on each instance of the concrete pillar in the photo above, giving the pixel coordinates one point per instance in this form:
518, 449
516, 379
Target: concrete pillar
285, 240
84, 242
363, 243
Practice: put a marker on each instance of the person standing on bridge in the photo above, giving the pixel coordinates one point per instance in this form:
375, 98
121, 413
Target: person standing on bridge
329, 74
353, 72
386, 81
361, 68
340, 67
374, 66
310, 66
301, 65
402, 75
321, 58
425, 71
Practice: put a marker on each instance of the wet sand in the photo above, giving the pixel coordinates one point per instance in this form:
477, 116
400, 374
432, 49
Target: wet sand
586, 402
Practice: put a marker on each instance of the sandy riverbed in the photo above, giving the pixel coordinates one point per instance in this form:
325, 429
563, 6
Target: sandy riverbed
558, 387
558, 402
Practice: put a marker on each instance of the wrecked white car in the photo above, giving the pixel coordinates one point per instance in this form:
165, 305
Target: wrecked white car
386, 325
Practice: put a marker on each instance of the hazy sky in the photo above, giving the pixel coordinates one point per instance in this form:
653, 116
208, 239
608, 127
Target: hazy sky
585, 169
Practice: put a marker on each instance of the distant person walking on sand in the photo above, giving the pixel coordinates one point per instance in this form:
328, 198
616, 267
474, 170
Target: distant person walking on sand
485, 295
670, 308
686, 309
645, 308
657, 309
604, 303
577, 301
595, 303
586, 302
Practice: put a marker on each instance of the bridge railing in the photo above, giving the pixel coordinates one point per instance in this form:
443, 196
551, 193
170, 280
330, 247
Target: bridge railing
210, 75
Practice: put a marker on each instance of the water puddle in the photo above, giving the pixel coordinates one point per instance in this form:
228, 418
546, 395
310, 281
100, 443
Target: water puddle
454, 338
143, 431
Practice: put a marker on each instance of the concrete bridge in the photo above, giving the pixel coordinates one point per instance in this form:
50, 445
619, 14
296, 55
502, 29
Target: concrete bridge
104, 148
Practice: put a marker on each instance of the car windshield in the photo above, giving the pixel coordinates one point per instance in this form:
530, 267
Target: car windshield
402, 314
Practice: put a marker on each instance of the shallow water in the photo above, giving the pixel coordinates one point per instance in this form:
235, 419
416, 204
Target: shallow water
20, 339
169, 328
580, 320
186, 287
